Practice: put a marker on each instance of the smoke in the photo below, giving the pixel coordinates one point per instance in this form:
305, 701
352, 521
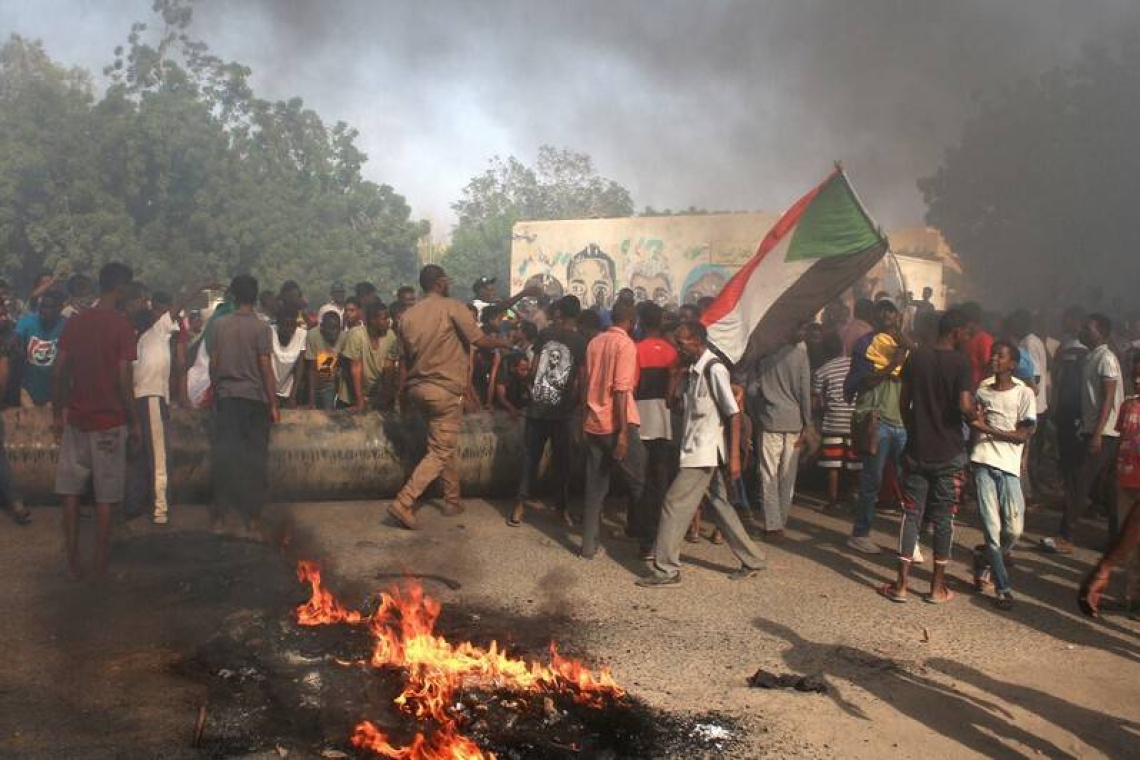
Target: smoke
728, 105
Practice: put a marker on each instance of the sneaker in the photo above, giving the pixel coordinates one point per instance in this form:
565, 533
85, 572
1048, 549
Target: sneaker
657, 581
403, 515
917, 557
1056, 546
160, 518
744, 572
863, 544
1004, 601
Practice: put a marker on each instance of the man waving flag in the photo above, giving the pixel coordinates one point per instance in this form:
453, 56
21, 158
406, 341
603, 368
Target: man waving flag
817, 249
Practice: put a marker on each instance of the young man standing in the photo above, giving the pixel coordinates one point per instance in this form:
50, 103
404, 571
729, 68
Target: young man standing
559, 355
148, 487
323, 346
39, 334
877, 421
782, 394
94, 417
936, 399
1102, 393
374, 359
612, 421
710, 407
656, 363
1005, 421
437, 335
245, 403
336, 302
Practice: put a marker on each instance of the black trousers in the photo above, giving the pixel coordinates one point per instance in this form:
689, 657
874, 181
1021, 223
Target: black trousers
535, 435
241, 456
660, 468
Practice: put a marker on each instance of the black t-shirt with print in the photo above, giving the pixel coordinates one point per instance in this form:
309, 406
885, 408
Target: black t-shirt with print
558, 357
936, 379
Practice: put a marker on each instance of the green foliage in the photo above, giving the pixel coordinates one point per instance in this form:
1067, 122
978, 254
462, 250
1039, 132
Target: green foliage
181, 171
1039, 196
561, 185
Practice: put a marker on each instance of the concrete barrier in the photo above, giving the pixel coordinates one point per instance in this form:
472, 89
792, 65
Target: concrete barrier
312, 455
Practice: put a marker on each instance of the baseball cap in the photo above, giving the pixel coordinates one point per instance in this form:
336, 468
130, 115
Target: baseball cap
482, 281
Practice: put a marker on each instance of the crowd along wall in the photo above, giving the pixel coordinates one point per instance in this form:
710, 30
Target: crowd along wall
668, 259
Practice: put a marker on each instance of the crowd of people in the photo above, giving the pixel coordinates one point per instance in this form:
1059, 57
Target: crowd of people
895, 404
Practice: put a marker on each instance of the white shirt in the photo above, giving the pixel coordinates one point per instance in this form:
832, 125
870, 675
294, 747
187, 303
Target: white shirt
285, 359
1005, 411
1100, 365
1036, 350
152, 368
706, 408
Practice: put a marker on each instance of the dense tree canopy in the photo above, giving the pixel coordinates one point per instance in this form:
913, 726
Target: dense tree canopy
561, 185
1037, 198
179, 169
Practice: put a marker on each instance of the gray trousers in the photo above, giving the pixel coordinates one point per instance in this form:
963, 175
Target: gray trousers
681, 503
777, 461
600, 464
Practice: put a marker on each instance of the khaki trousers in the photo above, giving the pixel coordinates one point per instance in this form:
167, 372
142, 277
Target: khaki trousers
443, 411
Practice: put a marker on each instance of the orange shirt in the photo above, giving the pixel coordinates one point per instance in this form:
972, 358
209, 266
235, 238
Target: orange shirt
611, 366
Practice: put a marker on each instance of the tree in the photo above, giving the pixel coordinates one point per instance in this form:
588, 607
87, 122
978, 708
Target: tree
180, 170
562, 185
1037, 197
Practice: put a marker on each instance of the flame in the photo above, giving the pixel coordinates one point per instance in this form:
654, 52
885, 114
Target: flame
322, 607
404, 628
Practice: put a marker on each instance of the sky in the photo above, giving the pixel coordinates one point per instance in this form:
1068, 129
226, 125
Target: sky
722, 105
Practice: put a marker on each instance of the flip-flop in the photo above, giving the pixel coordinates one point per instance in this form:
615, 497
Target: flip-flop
887, 591
940, 600
513, 521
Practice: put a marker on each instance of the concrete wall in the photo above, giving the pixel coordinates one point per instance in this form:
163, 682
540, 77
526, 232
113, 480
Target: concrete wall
669, 259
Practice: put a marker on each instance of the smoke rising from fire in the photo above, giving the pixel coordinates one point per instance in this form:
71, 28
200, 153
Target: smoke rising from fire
727, 105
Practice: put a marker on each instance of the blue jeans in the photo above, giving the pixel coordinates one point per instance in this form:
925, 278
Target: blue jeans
892, 441
1002, 508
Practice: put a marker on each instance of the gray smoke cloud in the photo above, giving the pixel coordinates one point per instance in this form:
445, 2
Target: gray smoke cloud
730, 105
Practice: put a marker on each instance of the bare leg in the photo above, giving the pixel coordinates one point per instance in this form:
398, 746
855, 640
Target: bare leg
938, 588
102, 540
71, 536
1096, 583
832, 489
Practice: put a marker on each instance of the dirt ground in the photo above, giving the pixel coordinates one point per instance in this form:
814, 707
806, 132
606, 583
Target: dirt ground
93, 671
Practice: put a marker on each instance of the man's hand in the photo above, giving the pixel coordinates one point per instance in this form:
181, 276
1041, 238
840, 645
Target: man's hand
274, 413
622, 447
57, 427
1096, 444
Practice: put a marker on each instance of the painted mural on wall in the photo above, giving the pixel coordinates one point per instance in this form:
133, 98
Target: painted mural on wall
668, 260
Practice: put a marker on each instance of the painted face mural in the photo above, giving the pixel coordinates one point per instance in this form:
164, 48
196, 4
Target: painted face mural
704, 280
549, 284
652, 283
591, 277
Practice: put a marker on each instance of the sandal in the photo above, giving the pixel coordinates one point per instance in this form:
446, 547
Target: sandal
931, 599
516, 518
888, 591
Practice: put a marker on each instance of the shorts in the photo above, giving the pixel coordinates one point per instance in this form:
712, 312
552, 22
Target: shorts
838, 452
99, 456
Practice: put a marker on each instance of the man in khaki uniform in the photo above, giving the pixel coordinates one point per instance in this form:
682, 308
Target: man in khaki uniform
437, 334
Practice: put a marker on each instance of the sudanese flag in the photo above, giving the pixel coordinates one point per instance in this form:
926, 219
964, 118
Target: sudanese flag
817, 249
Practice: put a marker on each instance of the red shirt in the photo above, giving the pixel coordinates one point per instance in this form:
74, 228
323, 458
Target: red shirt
655, 358
979, 348
1128, 458
96, 341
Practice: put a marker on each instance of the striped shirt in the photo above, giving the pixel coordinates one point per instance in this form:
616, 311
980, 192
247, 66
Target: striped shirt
827, 383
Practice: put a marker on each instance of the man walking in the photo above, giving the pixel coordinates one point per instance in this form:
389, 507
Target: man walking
245, 395
437, 335
710, 408
612, 421
877, 421
93, 386
1102, 393
559, 357
782, 396
936, 399
1005, 422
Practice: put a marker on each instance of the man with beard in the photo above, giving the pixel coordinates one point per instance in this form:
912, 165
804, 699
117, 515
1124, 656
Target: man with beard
710, 407
437, 334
